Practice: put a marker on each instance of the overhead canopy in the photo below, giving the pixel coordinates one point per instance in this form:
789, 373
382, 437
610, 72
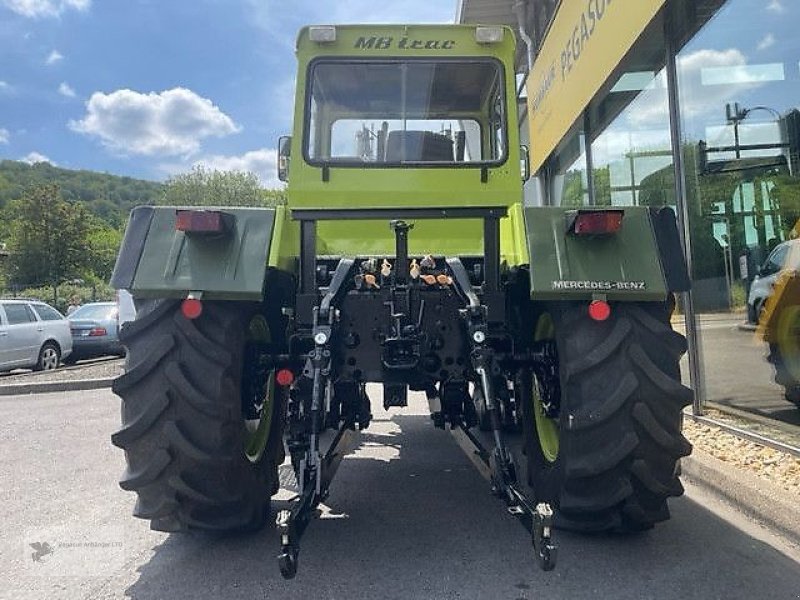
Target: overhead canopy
487, 11
490, 12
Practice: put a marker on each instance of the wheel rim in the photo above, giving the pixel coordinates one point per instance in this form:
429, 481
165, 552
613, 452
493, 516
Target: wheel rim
547, 429
788, 338
49, 358
258, 429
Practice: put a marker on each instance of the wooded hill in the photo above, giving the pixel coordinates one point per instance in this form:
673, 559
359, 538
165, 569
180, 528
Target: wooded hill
109, 197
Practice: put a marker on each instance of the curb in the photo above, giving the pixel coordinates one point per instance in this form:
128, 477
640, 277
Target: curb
16, 389
759, 499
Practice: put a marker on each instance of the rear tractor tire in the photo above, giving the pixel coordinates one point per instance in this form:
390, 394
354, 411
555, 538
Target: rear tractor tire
610, 460
188, 443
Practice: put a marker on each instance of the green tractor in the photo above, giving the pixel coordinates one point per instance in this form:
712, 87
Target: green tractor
406, 258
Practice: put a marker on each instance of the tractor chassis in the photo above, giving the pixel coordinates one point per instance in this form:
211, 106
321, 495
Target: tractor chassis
328, 344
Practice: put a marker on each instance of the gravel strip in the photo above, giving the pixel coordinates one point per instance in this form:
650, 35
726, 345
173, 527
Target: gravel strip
102, 370
778, 467
780, 431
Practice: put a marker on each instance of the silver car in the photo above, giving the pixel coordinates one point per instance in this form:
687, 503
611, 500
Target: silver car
33, 335
95, 330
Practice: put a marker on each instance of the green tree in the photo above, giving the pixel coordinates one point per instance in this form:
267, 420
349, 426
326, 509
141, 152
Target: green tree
574, 190
48, 238
201, 187
602, 186
103, 244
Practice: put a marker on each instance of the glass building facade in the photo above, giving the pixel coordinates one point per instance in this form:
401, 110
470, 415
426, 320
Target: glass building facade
703, 114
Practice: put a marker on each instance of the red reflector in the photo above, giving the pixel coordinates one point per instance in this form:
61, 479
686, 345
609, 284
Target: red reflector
598, 222
284, 377
199, 221
97, 331
599, 310
191, 308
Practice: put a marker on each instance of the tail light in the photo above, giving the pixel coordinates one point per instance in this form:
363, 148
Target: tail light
594, 222
202, 221
98, 331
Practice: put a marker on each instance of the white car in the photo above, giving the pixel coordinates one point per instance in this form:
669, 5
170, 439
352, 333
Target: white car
785, 257
33, 335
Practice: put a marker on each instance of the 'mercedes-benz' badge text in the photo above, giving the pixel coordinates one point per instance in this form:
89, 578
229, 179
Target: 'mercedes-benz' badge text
599, 286
403, 43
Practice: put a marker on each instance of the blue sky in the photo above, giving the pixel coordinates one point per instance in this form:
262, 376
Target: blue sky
148, 88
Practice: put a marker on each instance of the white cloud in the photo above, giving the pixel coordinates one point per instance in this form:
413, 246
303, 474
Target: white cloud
262, 163
776, 6
35, 157
615, 143
54, 57
4, 86
171, 122
710, 99
767, 42
4, 135
65, 90
706, 58
698, 97
45, 8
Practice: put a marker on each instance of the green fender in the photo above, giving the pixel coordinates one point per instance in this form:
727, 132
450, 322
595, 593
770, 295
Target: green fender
642, 261
158, 261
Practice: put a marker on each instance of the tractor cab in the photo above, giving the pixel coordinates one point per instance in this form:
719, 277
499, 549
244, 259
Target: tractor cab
403, 116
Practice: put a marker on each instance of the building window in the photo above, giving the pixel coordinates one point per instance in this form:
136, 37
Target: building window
739, 89
569, 185
739, 80
631, 152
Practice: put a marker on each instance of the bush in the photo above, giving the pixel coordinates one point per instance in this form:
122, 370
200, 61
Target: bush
100, 292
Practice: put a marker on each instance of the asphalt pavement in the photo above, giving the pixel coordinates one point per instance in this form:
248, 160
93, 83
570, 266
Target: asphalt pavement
408, 517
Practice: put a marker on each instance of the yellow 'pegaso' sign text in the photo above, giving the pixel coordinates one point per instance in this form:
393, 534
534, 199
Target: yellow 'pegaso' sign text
585, 43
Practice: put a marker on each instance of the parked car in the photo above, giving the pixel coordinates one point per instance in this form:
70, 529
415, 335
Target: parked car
95, 330
785, 256
32, 335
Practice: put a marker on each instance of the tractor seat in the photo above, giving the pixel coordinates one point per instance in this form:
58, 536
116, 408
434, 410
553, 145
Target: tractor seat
420, 146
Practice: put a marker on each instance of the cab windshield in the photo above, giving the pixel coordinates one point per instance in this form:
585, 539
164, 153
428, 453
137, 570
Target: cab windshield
391, 113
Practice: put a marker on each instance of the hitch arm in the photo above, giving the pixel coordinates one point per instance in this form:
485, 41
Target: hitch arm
536, 518
292, 523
